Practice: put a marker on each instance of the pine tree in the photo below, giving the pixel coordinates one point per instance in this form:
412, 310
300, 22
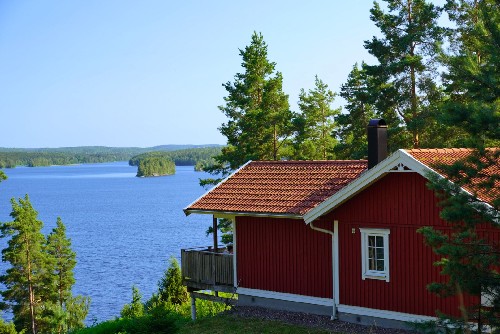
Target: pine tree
314, 139
24, 280
469, 259
359, 110
170, 287
259, 119
136, 308
404, 81
62, 262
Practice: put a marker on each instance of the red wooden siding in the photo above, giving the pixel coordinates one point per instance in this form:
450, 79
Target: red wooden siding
283, 255
402, 203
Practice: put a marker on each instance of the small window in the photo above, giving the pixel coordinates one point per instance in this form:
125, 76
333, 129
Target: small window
375, 253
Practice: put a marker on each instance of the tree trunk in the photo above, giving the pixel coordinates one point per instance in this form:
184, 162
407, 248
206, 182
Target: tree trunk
30, 289
275, 138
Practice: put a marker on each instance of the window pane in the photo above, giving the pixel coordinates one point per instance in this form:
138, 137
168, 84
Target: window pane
372, 264
371, 252
380, 253
380, 241
380, 265
371, 241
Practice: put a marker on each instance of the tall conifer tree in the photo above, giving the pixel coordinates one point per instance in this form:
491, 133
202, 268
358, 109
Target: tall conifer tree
359, 110
405, 78
314, 139
259, 117
469, 258
24, 280
62, 262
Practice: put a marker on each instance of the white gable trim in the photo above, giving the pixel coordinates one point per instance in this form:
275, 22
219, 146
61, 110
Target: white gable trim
187, 212
362, 182
390, 164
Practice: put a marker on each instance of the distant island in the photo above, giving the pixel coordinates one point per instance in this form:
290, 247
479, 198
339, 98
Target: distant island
155, 166
181, 155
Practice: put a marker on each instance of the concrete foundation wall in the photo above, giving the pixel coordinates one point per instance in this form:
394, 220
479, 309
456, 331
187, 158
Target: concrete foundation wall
284, 305
276, 304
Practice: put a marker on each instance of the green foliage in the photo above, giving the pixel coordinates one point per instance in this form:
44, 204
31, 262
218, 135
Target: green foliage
315, 125
3, 177
25, 280
159, 322
473, 77
136, 308
257, 109
185, 157
38, 283
471, 260
225, 226
359, 105
403, 83
8, 328
155, 166
181, 154
170, 287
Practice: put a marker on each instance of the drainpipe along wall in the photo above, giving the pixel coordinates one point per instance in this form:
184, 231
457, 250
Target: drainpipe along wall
322, 230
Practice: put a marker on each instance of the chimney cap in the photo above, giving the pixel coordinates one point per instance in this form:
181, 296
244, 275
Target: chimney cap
377, 122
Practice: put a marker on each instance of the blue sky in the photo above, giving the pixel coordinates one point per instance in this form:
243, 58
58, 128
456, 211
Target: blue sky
145, 73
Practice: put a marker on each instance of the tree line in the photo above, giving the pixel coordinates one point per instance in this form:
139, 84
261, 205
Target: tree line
436, 86
10, 158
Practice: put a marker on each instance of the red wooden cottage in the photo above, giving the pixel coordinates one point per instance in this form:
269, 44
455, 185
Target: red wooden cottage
334, 237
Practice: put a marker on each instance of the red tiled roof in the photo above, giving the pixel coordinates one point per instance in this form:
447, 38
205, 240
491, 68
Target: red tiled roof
279, 187
433, 157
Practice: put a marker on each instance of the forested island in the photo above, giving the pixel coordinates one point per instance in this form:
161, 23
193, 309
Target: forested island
155, 166
182, 155
186, 157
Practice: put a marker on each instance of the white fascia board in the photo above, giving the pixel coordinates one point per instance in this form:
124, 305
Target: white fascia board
232, 214
366, 179
384, 314
285, 296
188, 212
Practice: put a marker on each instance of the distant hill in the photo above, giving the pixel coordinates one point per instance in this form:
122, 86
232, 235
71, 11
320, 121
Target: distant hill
12, 157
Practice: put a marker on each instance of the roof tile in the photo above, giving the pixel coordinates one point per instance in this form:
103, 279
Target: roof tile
280, 187
448, 156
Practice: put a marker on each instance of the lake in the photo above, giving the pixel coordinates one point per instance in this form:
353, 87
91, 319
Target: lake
123, 228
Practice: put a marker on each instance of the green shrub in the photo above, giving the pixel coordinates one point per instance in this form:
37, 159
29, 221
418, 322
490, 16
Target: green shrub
135, 309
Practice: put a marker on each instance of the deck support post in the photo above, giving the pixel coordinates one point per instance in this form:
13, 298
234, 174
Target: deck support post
193, 306
216, 248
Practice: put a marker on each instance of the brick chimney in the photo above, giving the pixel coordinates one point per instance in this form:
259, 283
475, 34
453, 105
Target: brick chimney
377, 141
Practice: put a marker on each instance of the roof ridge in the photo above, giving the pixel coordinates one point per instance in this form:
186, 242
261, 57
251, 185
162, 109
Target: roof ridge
307, 161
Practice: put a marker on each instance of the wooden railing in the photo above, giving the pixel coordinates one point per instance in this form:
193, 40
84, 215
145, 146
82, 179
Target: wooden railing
204, 269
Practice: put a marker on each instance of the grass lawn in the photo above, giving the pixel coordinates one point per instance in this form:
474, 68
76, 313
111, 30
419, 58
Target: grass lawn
223, 323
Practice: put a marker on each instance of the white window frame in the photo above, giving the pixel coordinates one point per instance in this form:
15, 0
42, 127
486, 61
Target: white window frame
365, 269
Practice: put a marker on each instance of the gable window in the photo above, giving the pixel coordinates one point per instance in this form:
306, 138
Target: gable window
375, 253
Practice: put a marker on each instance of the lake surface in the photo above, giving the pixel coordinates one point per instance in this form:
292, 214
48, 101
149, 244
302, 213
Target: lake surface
123, 228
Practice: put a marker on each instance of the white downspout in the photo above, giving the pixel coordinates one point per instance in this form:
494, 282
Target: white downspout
334, 283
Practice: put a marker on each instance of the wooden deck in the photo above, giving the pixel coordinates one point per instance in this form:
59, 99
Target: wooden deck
204, 269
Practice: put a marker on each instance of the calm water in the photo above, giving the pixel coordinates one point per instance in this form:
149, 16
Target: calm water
123, 228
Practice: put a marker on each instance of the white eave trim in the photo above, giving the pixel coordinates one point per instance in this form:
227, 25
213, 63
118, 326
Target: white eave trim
187, 212
230, 214
285, 296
